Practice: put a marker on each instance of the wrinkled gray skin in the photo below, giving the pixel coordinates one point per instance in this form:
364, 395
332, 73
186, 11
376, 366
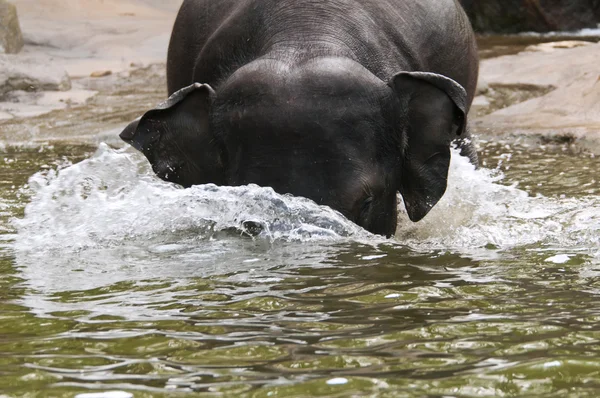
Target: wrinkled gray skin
345, 102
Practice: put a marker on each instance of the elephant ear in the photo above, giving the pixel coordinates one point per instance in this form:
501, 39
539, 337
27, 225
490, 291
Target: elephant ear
176, 139
435, 115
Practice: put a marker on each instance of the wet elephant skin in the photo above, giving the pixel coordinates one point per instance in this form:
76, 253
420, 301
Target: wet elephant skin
345, 102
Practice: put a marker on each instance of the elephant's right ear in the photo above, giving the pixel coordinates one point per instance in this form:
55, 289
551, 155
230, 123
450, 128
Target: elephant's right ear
176, 138
434, 114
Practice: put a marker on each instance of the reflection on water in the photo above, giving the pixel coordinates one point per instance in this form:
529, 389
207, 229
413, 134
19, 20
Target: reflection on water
115, 281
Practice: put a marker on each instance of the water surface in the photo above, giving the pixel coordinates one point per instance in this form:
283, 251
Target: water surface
112, 280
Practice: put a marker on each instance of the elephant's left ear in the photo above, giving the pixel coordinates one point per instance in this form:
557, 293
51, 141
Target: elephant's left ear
435, 114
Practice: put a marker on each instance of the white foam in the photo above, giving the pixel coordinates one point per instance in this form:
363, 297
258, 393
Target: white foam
114, 199
478, 212
337, 381
559, 259
109, 219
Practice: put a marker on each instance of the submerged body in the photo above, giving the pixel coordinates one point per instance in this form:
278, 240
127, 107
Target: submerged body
344, 102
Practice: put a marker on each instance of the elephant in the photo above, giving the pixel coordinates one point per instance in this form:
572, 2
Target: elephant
344, 102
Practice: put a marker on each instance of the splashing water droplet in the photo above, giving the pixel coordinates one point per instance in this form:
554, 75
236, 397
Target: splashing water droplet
558, 259
114, 198
338, 381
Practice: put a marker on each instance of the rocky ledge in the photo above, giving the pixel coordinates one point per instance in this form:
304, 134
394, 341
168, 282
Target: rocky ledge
551, 91
31, 73
11, 39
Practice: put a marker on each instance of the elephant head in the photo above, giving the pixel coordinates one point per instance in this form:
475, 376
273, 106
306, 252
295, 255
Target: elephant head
330, 131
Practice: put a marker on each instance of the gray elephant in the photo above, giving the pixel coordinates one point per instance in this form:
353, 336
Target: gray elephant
345, 102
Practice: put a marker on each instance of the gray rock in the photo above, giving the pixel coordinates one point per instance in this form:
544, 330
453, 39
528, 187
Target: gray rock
11, 39
514, 16
482, 86
554, 91
557, 45
31, 73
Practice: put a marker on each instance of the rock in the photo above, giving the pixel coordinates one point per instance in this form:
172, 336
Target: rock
555, 92
23, 104
514, 16
482, 86
31, 73
11, 39
480, 106
101, 73
557, 45
500, 96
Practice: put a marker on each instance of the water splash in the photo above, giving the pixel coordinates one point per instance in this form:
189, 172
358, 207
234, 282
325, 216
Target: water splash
113, 199
477, 212
110, 220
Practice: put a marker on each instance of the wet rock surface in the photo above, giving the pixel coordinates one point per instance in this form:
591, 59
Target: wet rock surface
514, 16
94, 111
498, 96
551, 91
31, 73
69, 43
87, 36
11, 38
550, 47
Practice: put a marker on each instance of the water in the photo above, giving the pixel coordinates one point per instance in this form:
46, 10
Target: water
116, 284
114, 281
491, 46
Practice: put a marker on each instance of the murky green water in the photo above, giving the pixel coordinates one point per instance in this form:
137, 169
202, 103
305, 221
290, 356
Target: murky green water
226, 315
111, 280
495, 46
